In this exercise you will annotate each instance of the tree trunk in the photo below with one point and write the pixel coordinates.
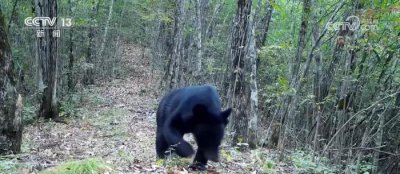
(264, 25)
(13, 15)
(10, 100)
(175, 61)
(338, 52)
(199, 53)
(118, 50)
(211, 23)
(289, 114)
(317, 77)
(252, 56)
(88, 78)
(70, 82)
(378, 141)
(237, 93)
(48, 108)
(110, 12)
(302, 41)
(163, 50)
(40, 53)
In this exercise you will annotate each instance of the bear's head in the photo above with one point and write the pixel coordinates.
(209, 130)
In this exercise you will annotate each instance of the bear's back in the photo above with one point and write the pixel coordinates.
(185, 99)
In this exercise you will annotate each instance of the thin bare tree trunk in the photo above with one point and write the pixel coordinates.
(163, 50)
(199, 51)
(88, 78)
(118, 42)
(110, 12)
(264, 25)
(70, 82)
(252, 56)
(289, 114)
(40, 53)
(211, 22)
(13, 15)
(378, 141)
(10, 100)
(317, 77)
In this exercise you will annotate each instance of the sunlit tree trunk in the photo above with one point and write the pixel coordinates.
(10, 100)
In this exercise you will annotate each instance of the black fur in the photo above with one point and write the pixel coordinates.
(196, 110)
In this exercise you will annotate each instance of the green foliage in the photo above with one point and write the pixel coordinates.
(273, 73)
(123, 154)
(215, 48)
(90, 99)
(273, 64)
(29, 114)
(145, 9)
(173, 161)
(107, 119)
(12, 166)
(88, 166)
(226, 154)
(305, 161)
(363, 167)
(262, 162)
(70, 106)
(7, 166)
(26, 145)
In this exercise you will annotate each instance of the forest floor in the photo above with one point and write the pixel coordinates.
(115, 123)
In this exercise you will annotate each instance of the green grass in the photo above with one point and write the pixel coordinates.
(7, 166)
(306, 162)
(12, 166)
(87, 166)
(173, 161)
(106, 119)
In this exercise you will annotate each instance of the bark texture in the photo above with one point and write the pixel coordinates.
(10, 100)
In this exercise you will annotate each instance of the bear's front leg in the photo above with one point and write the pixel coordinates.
(199, 162)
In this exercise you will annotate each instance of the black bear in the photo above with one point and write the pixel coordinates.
(196, 110)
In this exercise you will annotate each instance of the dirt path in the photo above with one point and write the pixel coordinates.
(116, 123)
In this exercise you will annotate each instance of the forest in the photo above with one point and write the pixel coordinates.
(311, 86)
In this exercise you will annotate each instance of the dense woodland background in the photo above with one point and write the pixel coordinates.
(311, 91)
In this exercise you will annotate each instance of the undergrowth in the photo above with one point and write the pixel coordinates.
(87, 166)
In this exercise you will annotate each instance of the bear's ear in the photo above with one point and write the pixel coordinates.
(225, 114)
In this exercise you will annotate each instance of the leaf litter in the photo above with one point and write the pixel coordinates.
(120, 131)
